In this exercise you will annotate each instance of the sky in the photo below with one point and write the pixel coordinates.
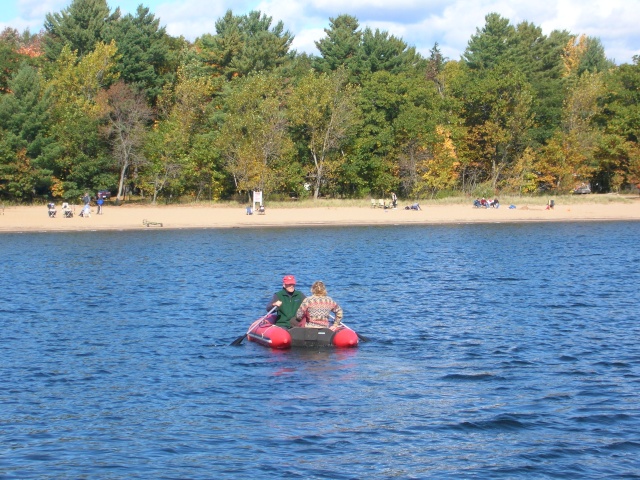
(420, 23)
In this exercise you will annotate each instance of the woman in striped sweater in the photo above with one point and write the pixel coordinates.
(315, 311)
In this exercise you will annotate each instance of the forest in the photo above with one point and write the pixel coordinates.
(98, 100)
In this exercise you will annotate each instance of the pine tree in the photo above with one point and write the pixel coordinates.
(79, 26)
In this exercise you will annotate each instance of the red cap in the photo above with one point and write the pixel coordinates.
(289, 280)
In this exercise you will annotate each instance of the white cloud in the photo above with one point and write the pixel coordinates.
(304, 42)
(36, 10)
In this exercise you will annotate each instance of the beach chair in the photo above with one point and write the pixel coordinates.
(68, 213)
(374, 204)
(381, 203)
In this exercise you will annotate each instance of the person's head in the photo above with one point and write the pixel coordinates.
(318, 288)
(289, 283)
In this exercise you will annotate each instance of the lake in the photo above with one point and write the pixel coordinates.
(496, 351)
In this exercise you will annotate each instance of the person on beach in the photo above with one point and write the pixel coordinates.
(315, 311)
(394, 200)
(414, 206)
(99, 202)
(86, 211)
(288, 300)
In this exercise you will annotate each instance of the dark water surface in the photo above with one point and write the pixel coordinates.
(497, 351)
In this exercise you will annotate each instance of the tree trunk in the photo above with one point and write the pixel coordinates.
(123, 171)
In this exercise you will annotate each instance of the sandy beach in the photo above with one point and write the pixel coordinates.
(135, 217)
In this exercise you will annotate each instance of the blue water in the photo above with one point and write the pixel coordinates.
(496, 351)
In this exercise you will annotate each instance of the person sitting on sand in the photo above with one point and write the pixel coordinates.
(315, 310)
(414, 206)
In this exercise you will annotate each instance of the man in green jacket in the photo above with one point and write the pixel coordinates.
(288, 301)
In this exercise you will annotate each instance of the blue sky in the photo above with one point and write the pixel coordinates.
(420, 23)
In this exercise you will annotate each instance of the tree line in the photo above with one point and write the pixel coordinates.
(99, 100)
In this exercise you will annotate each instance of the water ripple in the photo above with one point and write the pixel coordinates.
(519, 360)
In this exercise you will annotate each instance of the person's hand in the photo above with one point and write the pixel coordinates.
(278, 303)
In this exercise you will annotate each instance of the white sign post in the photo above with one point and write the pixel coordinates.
(257, 198)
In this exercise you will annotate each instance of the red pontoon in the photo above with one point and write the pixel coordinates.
(264, 332)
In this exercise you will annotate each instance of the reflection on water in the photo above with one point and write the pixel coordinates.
(497, 351)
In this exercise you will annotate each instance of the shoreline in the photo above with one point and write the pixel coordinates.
(26, 219)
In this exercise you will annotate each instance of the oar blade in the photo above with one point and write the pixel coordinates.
(363, 338)
(239, 340)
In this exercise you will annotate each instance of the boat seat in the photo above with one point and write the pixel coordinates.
(311, 337)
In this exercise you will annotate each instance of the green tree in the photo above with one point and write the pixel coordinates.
(618, 153)
(594, 60)
(24, 136)
(381, 100)
(81, 159)
(490, 44)
(323, 109)
(497, 110)
(435, 69)
(126, 115)
(362, 53)
(79, 27)
(10, 59)
(174, 164)
(569, 157)
(403, 144)
(15, 49)
(621, 112)
(537, 57)
(244, 44)
(384, 52)
(253, 139)
(147, 58)
(341, 47)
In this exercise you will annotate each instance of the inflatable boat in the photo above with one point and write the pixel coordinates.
(264, 332)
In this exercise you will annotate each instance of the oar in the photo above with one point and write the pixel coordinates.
(361, 337)
(239, 340)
